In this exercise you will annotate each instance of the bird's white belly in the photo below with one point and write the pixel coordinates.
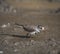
(33, 33)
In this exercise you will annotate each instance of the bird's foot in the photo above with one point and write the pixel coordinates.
(28, 35)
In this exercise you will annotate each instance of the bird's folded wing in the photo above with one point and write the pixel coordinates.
(29, 28)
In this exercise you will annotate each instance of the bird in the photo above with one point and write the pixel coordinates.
(31, 29)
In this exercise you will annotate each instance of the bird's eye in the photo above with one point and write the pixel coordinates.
(40, 27)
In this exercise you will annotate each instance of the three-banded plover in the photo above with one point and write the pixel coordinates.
(31, 29)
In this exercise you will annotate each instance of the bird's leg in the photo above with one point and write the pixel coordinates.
(28, 34)
(36, 33)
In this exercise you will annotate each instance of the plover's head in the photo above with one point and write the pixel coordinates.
(41, 27)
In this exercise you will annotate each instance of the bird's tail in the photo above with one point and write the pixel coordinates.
(18, 24)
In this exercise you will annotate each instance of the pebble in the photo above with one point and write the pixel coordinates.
(5, 25)
(14, 10)
(15, 50)
(1, 52)
(17, 43)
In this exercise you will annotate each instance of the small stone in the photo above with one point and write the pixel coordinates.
(3, 26)
(14, 11)
(17, 43)
(1, 52)
(15, 50)
(32, 41)
(23, 44)
(6, 42)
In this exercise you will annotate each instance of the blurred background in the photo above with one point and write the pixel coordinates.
(32, 12)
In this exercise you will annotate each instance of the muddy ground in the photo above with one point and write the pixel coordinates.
(13, 40)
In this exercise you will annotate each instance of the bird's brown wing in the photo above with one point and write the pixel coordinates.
(29, 28)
